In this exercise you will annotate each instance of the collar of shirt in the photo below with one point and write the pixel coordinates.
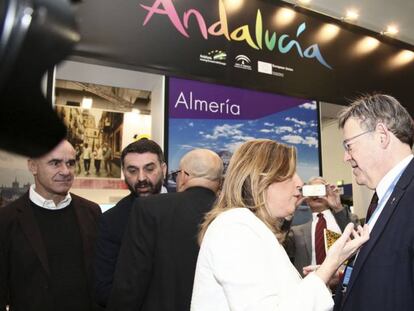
(326, 213)
(163, 190)
(47, 204)
(386, 187)
(387, 180)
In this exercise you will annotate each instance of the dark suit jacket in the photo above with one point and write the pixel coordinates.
(300, 244)
(112, 226)
(156, 265)
(24, 270)
(383, 274)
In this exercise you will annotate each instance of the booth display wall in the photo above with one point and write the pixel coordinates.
(221, 118)
(264, 45)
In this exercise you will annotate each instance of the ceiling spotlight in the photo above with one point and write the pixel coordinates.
(284, 16)
(328, 32)
(402, 58)
(351, 15)
(233, 5)
(391, 30)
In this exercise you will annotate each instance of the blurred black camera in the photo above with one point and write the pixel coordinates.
(34, 36)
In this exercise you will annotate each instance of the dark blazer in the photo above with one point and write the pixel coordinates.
(383, 274)
(156, 265)
(112, 226)
(24, 270)
(300, 248)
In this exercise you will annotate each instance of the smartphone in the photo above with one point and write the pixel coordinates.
(314, 190)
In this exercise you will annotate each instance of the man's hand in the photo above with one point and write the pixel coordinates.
(334, 198)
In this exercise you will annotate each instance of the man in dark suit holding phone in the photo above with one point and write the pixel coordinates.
(378, 138)
(302, 243)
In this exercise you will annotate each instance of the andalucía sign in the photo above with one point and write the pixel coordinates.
(264, 45)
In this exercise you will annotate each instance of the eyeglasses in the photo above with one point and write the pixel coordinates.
(174, 174)
(347, 145)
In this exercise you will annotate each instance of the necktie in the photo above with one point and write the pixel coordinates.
(372, 206)
(320, 240)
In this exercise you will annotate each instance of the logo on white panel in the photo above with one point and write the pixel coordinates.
(243, 62)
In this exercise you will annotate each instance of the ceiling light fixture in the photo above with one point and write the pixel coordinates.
(391, 30)
(351, 15)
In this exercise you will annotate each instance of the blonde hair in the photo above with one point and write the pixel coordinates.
(252, 169)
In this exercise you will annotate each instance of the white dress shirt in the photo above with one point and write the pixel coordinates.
(37, 199)
(331, 224)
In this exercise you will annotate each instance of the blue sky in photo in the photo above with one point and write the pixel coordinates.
(296, 126)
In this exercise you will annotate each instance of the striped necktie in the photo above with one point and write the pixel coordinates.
(320, 240)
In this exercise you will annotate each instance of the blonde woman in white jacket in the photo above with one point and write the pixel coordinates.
(242, 264)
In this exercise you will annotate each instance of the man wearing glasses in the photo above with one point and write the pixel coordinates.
(378, 142)
(144, 170)
(158, 256)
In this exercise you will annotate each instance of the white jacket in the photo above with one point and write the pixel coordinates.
(242, 266)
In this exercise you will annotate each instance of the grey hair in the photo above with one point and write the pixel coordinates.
(317, 178)
(373, 109)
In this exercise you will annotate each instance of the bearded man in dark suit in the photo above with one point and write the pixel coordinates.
(144, 169)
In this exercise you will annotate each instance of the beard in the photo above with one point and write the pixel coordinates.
(145, 188)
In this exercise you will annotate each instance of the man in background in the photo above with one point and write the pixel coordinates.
(46, 240)
(86, 156)
(144, 169)
(378, 138)
(159, 253)
(107, 159)
(307, 245)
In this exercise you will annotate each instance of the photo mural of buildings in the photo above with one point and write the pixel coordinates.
(96, 137)
(15, 177)
(220, 118)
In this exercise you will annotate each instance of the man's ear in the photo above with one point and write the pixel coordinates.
(164, 170)
(385, 134)
(32, 166)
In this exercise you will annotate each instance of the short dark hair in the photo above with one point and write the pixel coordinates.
(143, 145)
